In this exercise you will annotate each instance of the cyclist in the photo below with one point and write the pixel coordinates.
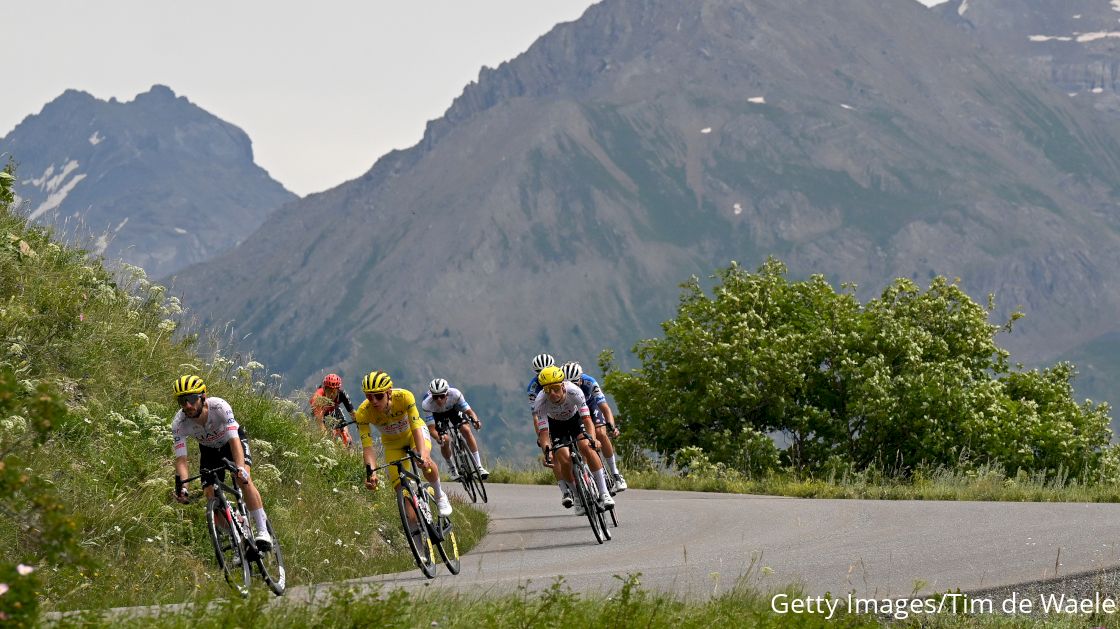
(210, 421)
(326, 401)
(601, 416)
(561, 404)
(541, 361)
(393, 412)
(443, 406)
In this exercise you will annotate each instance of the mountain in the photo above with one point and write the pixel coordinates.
(157, 182)
(564, 195)
(1075, 46)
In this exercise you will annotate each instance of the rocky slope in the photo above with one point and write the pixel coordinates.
(157, 181)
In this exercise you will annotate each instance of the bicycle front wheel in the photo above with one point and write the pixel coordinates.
(415, 532)
(586, 496)
(463, 463)
(476, 478)
(229, 550)
(449, 546)
(271, 564)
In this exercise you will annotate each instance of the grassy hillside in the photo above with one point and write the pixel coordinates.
(107, 344)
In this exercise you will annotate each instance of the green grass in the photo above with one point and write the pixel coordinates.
(557, 605)
(109, 342)
(987, 483)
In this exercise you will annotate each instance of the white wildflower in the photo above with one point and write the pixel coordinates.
(24, 569)
(167, 325)
(252, 364)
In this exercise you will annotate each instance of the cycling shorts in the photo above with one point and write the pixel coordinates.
(211, 458)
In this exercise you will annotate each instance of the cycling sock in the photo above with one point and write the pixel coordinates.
(601, 481)
(258, 519)
(563, 485)
(436, 486)
(477, 458)
(613, 463)
(450, 463)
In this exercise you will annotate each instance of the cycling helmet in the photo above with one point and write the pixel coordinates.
(333, 381)
(438, 386)
(186, 385)
(377, 382)
(572, 371)
(542, 361)
(550, 375)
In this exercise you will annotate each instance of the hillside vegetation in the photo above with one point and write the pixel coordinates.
(87, 358)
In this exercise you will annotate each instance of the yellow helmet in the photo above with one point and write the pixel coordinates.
(550, 375)
(189, 384)
(377, 382)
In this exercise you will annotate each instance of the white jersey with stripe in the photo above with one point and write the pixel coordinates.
(573, 402)
(455, 401)
(219, 428)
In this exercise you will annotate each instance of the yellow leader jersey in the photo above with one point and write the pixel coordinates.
(396, 425)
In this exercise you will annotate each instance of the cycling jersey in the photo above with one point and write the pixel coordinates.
(395, 426)
(572, 406)
(533, 389)
(317, 402)
(595, 397)
(219, 428)
(455, 401)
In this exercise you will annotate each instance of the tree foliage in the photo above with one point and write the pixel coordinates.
(913, 377)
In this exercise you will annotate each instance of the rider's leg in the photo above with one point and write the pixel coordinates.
(595, 465)
(604, 438)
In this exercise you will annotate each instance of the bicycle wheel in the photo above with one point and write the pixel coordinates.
(476, 476)
(448, 546)
(463, 464)
(586, 497)
(271, 564)
(228, 547)
(416, 534)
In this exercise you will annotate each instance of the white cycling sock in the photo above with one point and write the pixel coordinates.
(477, 458)
(258, 519)
(613, 463)
(601, 481)
(563, 485)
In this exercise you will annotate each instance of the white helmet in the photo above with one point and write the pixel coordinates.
(542, 361)
(573, 371)
(438, 386)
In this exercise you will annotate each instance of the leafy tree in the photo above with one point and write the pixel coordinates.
(911, 378)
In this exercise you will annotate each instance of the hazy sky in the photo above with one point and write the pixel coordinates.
(323, 89)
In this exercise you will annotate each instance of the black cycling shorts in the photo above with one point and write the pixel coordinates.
(211, 458)
(559, 429)
(448, 420)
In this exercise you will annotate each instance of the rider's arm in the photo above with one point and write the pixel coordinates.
(345, 401)
(181, 469)
(607, 414)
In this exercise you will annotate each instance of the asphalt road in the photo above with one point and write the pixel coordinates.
(697, 544)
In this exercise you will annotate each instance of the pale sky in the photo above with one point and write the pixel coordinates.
(323, 89)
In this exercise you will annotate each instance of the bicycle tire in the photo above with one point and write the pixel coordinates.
(418, 539)
(271, 564)
(586, 496)
(448, 544)
(476, 476)
(463, 463)
(228, 547)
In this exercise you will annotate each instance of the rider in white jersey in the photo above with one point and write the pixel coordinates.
(562, 411)
(210, 421)
(443, 407)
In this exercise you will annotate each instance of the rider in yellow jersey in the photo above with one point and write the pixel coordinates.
(393, 412)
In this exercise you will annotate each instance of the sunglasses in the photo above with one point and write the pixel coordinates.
(378, 396)
(439, 396)
(189, 399)
(553, 388)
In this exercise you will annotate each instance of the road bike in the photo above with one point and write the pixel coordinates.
(586, 490)
(233, 537)
(469, 476)
(425, 530)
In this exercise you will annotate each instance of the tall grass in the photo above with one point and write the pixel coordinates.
(555, 606)
(110, 342)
